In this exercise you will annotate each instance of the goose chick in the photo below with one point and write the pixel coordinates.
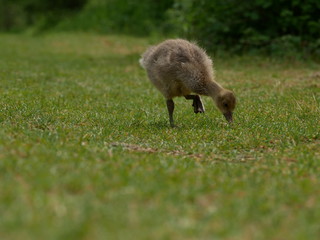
(178, 68)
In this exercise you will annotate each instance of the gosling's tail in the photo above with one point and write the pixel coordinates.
(142, 64)
(144, 60)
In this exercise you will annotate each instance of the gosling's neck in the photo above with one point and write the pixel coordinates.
(214, 89)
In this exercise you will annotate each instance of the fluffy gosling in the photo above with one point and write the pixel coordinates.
(178, 68)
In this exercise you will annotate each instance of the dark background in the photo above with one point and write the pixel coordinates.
(273, 27)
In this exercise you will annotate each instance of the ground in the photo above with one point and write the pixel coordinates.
(86, 151)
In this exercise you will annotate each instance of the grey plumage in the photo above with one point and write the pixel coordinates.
(178, 68)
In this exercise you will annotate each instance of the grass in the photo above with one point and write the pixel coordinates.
(86, 151)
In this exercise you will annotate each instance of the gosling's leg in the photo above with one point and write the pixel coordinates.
(170, 106)
(197, 103)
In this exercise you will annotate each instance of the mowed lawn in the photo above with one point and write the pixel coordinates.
(86, 151)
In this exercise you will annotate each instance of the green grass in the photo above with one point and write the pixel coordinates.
(86, 151)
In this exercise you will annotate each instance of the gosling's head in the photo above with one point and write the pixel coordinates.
(226, 102)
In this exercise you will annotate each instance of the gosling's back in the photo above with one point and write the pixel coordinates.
(178, 67)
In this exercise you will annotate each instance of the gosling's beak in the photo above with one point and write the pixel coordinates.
(228, 116)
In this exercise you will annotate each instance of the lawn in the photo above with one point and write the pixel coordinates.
(86, 151)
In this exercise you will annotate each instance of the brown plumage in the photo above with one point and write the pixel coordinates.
(178, 68)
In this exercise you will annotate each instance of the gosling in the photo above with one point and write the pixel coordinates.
(178, 68)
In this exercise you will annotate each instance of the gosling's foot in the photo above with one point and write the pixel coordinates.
(197, 103)
(198, 106)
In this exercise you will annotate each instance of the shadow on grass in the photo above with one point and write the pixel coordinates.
(149, 125)
(161, 124)
(199, 124)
